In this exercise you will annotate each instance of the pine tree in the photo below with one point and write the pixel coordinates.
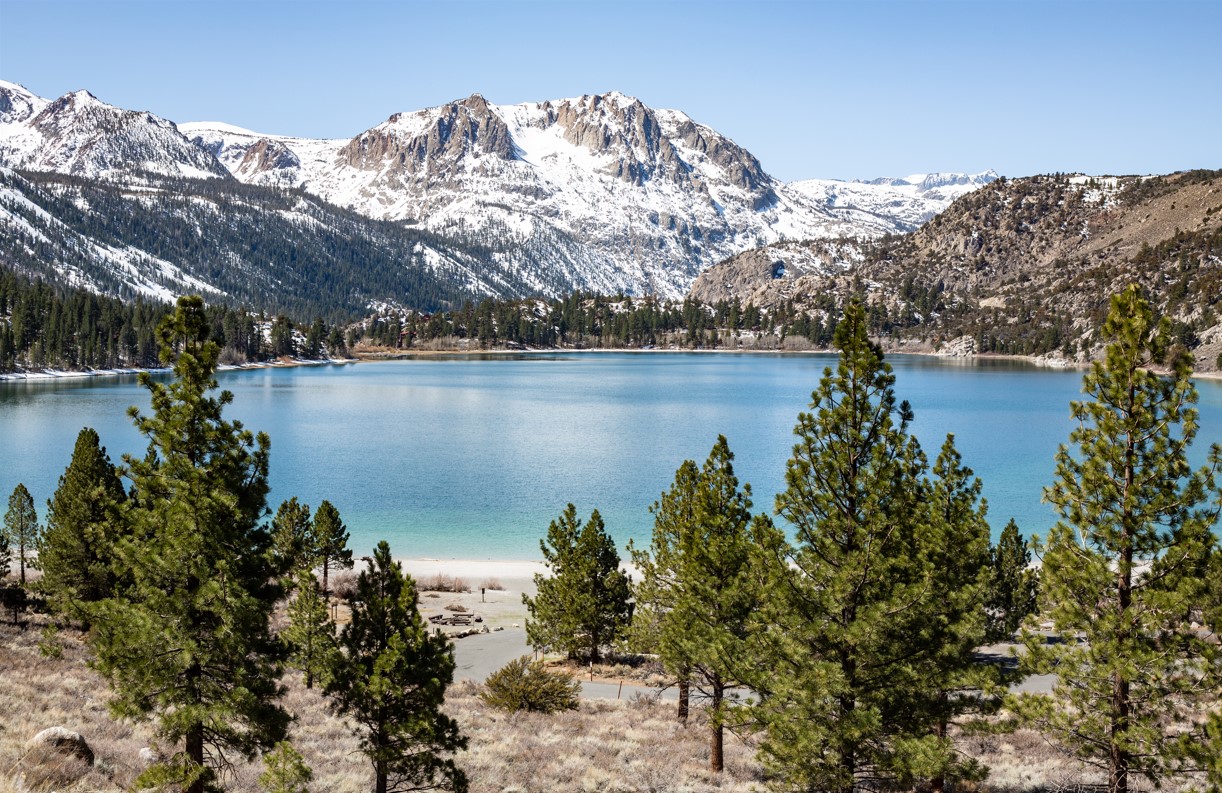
(310, 633)
(1124, 568)
(842, 670)
(21, 526)
(698, 589)
(6, 553)
(1013, 586)
(187, 641)
(954, 619)
(76, 552)
(286, 771)
(330, 543)
(584, 605)
(391, 683)
(293, 537)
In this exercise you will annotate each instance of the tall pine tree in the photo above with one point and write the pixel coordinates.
(698, 585)
(844, 672)
(330, 543)
(310, 633)
(1124, 568)
(583, 605)
(391, 683)
(21, 526)
(954, 620)
(1013, 585)
(187, 641)
(84, 521)
(293, 537)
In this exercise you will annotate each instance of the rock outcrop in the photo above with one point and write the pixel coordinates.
(61, 741)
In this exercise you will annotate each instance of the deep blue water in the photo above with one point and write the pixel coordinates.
(472, 457)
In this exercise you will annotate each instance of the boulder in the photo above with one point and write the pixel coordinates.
(62, 741)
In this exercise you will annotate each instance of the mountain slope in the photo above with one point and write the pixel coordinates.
(616, 195)
(271, 249)
(1025, 266)
(907, 203)
(597, 193)
(80, 135)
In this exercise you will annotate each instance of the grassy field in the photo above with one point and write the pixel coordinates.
(608, 746)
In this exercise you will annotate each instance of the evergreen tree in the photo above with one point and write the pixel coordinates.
(330, 542)
(76, 552)
(1013, 586)
(391, 683)
(293, 537)
(6, 553)
(1124, 568)
(286, 771)
(21, 526)
(841, 677)
(187, 641)
(311, 633)
(954, 619)
(698, 587)
(584, 605)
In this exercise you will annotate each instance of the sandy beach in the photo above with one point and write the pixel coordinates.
(499, 605)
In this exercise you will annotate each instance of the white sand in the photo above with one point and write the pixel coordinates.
(516, 576)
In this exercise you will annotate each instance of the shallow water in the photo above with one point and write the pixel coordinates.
(471, 457)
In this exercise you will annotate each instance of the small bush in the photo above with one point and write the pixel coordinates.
(523, 684)
(285, 771)
(343, 584)
(495, 585)
(442, 583)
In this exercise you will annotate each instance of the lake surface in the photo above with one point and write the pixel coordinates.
(471, 457)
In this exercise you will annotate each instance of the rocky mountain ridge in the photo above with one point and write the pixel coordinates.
(597, 193)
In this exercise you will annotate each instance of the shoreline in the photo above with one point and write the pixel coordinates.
(50, 375)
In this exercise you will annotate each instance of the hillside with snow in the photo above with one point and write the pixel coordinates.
(599, 193)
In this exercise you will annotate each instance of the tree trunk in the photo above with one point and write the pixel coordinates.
(717, 738)
(684, 687)
(938, 783)
(326, 593)
(1118, 763)
(848, 703)
(195, 753)
(379, 772)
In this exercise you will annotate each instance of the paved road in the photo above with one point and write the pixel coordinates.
(478, 656)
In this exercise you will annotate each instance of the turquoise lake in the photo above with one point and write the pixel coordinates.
(471, 457)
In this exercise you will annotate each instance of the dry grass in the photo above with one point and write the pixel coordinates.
(607, 746)
(442, 583)
(492, 585)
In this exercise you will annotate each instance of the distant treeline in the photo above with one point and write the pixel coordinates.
(590, 320)
(43, 326)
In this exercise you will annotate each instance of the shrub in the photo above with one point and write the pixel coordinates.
(442, 583)
(523, 684)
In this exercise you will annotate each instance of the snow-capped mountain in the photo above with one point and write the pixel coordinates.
(79, 134)
(907, 202)
(598, 193)
(616, 194)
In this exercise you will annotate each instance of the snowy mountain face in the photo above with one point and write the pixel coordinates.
(599, 193)
(611, 194)
(80, 135)
(908, 202)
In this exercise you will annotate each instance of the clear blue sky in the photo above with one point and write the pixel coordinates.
(814, 89)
